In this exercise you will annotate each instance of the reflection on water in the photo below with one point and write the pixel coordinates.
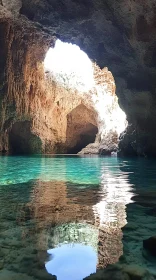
(70, 206)
(72, 259)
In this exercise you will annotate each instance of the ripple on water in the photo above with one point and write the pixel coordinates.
(74, 206)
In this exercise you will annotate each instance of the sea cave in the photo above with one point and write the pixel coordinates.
(77, 140)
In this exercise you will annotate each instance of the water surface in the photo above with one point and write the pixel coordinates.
(69, 215)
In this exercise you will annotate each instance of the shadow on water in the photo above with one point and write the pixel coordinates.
(141, 215)
(54, 208)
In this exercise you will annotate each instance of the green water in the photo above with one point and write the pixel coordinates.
(68, 215)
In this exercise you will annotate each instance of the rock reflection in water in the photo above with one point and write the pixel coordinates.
(110, 214)
(40, 215)
(89, 214)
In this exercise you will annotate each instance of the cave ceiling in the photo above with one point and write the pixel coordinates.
(118, 34)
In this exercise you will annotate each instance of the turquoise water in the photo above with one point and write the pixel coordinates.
(69, 215)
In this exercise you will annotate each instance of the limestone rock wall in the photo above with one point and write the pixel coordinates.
(117, 34)
(120, 35)
(21, 74)
(35, 110)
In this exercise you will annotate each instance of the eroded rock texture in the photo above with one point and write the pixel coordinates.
(118, 34)
(37, 115)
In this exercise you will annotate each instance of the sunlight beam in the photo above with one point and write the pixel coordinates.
(70, 66)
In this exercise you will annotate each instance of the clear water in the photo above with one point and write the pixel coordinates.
(69, 215)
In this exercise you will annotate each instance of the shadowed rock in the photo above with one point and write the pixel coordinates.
(150, 245)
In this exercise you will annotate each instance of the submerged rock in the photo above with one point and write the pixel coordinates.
(41, 274)
(136, 272)
(1, 264)
(126, 272)
(11, 275)
(113, 272)
(150, 245)
(152, 212)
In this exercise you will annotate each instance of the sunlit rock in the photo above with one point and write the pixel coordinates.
(67, 65)
(59, 102)
(114, 35)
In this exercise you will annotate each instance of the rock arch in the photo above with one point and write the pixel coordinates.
(81, 128)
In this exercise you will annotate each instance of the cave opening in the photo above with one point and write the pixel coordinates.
(67, 65)
(81, 129)
(85, 137)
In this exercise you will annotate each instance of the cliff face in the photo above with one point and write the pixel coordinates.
(115, 34)
(37, 115)
(21, 75)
